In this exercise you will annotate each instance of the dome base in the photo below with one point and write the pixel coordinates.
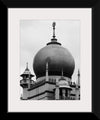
(54, 42)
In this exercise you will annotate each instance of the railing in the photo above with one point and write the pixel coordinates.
(52, 80)
(26, 81)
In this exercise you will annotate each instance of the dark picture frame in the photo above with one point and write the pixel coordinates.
(95, 5)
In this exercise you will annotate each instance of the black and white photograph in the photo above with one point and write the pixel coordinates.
(50, 60)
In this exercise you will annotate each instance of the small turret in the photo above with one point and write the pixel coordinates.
(26, 82)
(62, 88)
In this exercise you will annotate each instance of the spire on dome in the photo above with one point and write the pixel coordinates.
(53, 39)
(54, 24)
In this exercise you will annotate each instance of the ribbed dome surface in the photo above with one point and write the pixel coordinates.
(58, 58)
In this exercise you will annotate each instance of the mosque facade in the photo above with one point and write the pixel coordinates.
(53, 66)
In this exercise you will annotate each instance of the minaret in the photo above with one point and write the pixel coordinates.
(78, 78)
(78, 86)
(46, 71)
(26, 82)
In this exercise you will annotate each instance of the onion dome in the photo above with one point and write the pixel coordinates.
(58, 58)
(63, 83)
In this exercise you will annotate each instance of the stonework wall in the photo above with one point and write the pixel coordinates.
(44, 96)
(39, 92)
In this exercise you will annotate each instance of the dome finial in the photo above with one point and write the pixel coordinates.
(54, 24)
(53, 40)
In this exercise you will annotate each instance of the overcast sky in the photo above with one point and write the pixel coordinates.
(35, 34)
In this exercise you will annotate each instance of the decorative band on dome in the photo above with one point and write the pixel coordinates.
(53, 43)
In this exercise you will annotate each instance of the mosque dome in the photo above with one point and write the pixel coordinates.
(57, 57)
